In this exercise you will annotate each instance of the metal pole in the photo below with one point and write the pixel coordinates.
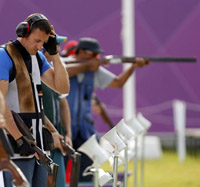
(125, 166)
(142, 162)
(179, 110)
(115, 168)
(96, 173)
(135, 162)
(96, 177)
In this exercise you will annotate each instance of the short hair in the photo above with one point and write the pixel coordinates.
(43, 24)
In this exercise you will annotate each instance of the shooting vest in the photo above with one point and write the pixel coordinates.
(24, 92)
(79, 100)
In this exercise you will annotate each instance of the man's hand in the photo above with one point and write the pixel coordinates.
(25, 146)
(140, 62)
(57, 141)
(93, 64)
(51, 45)
(68, 140)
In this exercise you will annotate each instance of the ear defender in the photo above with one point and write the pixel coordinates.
(23, 29)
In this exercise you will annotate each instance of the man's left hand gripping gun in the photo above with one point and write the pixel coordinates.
(43, 158)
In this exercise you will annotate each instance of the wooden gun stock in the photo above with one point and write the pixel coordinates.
(19, 178)
(5, 143)
(7, 164)
(103, 112)
(76, 159)
(52, 178)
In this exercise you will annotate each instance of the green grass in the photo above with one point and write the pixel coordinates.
(166, 172)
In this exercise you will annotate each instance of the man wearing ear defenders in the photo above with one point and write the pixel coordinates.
(22, 68)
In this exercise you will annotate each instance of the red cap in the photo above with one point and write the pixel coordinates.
(69, 48)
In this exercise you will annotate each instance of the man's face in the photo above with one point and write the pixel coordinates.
(35, 41)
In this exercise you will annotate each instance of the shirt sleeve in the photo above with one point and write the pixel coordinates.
(5, 64)
(45, 63)
(102, 78)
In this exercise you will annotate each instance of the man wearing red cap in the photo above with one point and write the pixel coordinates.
(69, 48)
(85, 77)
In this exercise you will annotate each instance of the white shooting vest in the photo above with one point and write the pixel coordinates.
(23, 94)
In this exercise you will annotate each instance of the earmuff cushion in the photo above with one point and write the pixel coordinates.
(22, 29)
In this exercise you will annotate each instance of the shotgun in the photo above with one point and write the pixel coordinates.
(43, 158)
(115, 59)
(76, 160)
(123, 59)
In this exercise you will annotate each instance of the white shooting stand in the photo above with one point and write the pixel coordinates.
(126, 134)
(138, 129)
(113, 138)
(94, 151)
(146, 124)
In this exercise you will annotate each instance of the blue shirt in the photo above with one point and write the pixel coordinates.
(6, 64)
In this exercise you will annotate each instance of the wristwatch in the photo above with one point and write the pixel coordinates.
(20, 142)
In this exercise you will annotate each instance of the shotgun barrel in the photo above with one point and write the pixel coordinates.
(115, 59)
(123, 59)
(76, 160)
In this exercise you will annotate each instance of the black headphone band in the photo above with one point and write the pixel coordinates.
(35, 18)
